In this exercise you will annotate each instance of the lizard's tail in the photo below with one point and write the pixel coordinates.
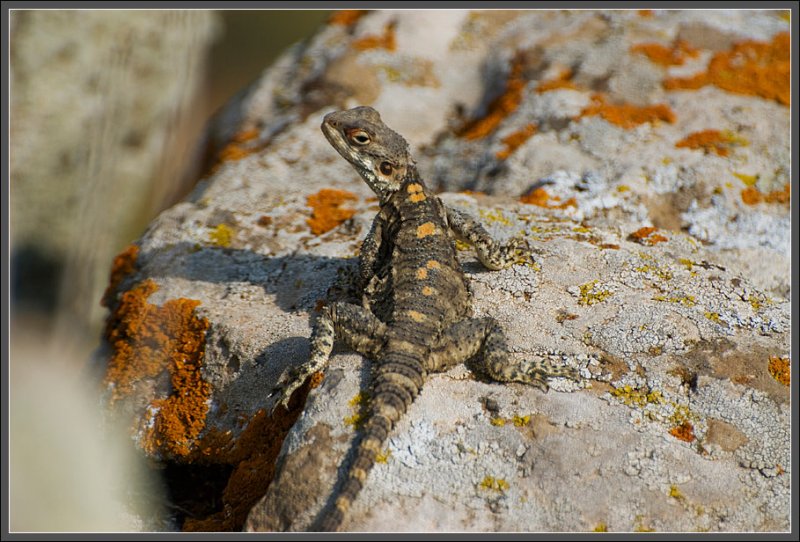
(394, 393)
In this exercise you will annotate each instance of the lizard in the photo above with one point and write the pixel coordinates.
(415, 316)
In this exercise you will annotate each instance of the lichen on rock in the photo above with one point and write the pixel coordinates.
(660, 233)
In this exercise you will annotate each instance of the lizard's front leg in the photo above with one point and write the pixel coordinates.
(358, 328)
(491, 254)
(483, 340)
(369, 281)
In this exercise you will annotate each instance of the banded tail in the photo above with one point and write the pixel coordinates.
(397, 384)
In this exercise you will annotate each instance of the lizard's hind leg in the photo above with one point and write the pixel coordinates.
(482, 342)
(358, 328)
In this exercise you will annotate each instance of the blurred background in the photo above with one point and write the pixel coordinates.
(107, 115)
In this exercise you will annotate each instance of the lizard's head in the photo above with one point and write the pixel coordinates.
(379, 154)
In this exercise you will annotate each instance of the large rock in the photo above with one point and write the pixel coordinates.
(662, 270)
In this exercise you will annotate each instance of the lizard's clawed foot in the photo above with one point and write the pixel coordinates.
(289, 381)
(518, 251)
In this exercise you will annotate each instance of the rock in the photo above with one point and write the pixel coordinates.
(682, 420)
(103, 126)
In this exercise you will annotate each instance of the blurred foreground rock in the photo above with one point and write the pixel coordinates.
(102, 133)
(657, 203)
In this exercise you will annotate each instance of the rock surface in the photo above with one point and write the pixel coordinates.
(660, 221)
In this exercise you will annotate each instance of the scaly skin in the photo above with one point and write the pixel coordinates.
(415, 313)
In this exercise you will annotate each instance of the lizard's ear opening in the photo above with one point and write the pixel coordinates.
(386, 168)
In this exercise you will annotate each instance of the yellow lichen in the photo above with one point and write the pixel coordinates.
(686, 300)
(221, 235)
(639, 397)
(383, 457)
(675, 493)
(495, 215)
(600, 528)
(360, 403)
(495, 484)
(590, 295)
(713, 316)
(640, 526)
(518, 421)
(660, 272)
(748, 180)
(521, 421)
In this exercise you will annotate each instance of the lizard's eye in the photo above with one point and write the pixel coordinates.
(386, 168)
(360, 137)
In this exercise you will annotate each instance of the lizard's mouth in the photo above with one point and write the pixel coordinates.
(331, 133)
(335, 137)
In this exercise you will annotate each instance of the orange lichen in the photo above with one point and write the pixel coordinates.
(753, 196)
(236, 149)
(563, 80)
(684, 432)
(264, 221)
(780, 369)
(327, 211)
(541, 198)
(675, 55)
(628, 115)
(753, 68)
(502, 106)
(316, 379)
(514, 140)
(148, 339)
(779, 196)
(716, 141)
(346, 17)
(647, 236)
(124, 264)
(646, 13)
(252, 456)
(386, 40)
